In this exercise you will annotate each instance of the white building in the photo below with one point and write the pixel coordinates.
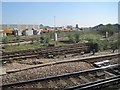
(29, 32)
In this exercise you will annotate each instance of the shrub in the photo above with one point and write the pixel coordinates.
(97, 42)
(71, 38)
(47, 40)
(5, 40)
(77, 37)
(18, 40)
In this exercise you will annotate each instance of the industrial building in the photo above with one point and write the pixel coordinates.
(29, 29)
(19, 26)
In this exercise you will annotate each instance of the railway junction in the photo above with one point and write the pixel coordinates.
(80, 72)
(60, 60)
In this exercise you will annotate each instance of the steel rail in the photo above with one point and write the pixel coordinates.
(96, 84)
(87, 59)
(59, 76)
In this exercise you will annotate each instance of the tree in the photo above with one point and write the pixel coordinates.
(69, 26)
(77, 26)
(111, 29)
(41, 26)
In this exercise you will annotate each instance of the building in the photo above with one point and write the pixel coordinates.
(8, 28)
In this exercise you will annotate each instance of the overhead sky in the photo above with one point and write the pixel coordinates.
(86, 14)
(60, 0)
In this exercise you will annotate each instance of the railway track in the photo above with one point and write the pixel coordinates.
(44, 52)
(49, 52)
(87, 79)
(87, 59)
(97, 84)
(43, 70)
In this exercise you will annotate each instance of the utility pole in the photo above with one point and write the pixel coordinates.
(55, 34)
(54, 22)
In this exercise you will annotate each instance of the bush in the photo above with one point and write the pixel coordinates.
(97, 42)
(18, 40)
(47, 41)
(5, 40)
(108, 28)
(71, 38)
(77, 37)
(74, 37)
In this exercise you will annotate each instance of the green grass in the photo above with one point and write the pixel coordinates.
(13, 38)
(84, 36)
(10, 48)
